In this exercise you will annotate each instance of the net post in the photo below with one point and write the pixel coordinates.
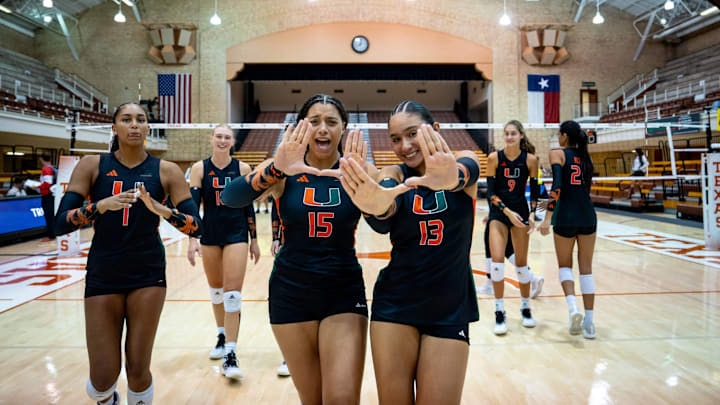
(671, 144)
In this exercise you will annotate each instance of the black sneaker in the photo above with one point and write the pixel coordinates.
(500, 325)
(527, 319)
(219, 350)
(230, 367)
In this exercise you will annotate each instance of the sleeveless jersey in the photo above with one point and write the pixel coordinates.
(574, 207)
(510, 179)
(429, 279)
(126, 249)
(221, 224)
(319, 222)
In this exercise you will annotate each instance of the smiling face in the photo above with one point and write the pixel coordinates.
(512, 136)
(403, 128)
(326, 126)
(131, 126)
(222, 140)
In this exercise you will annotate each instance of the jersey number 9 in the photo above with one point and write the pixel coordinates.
(323, 227)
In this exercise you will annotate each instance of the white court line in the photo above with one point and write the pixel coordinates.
(679, 247)
(32, 277)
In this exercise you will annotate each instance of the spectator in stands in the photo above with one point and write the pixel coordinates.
(48, 176)
(639, 168)
(18, 188)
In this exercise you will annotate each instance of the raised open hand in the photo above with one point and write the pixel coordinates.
(354, 148)
(364, 191)
(290, 156)
(441, 171)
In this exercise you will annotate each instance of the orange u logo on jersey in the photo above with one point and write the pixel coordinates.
(309, 198)
(440, 204)
(216, 182)
(516, 173)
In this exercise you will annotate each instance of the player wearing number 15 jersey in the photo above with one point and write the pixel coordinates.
(318, 309)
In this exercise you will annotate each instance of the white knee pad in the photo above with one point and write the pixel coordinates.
(497, 272)
(565, 274)
(216, 295)
(524, 274)
(232, 301)
(141, 398)
(587, 284)
(96, 395)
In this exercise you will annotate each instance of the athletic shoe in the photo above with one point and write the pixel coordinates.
(527, 319)
(283, 370)
(588, 330)
(536, 285)
(486, 288)
(500, 325)
(575, 320)
(219, 350)
(230, 367)
(115, 398)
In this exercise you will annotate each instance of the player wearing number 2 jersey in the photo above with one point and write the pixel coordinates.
(125, 282)
(574, 220)
(508, 171)
(318, 309)
(425, 298)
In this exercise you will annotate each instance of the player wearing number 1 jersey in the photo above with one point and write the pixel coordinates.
(574, 220)
(508, 171)
(125, 281)
(318, 309)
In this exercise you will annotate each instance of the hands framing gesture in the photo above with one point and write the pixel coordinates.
(354, 148)
(441, 171)
(290, 156)
(364, 191)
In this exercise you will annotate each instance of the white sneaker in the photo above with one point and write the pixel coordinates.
(527, 319)
(500, 325)
(576, 319)
(486, 288)
(230, 367)
(588, 330)
(219, 350)
(536, 285)
(283, 370)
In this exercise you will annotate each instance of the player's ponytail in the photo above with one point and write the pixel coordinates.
(578, 137)
(525, 143)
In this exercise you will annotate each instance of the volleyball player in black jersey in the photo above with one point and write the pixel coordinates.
(125, 282)
(573, 219)
(508, 171)
(318, 309)
(424, 299)
(224, 242)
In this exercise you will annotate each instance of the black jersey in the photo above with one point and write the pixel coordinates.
(574, 207)
(429, 279)
(126, 249)
(510, 179)
(319, 222)
(222, 225)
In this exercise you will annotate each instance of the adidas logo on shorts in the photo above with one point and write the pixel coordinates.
(462, 333)
(359, 305)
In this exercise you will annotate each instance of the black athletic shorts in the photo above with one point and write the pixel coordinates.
(573, 231)
(93, 291)
(456, 332)
(638, 173)
(520, 208)
(290, 304)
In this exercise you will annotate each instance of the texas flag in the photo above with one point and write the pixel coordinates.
(544, 98)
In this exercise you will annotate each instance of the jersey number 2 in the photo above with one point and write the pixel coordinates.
(431, 232)
(322, 223)
(575, 175)
(117, 189)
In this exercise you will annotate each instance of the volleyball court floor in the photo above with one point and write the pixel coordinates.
(656, 314)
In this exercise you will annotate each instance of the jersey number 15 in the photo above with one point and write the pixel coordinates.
(319, 224)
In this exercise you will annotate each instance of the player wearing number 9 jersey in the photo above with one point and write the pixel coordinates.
(574, 220)
(318, 309)
(125, 281)
(424, 299)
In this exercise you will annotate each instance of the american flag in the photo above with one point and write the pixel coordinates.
(174, 94)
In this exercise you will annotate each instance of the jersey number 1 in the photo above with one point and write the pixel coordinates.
(575, 175)
(322, 222)
(431, 232)
(117, 189)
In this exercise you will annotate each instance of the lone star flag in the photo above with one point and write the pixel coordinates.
(174, 97)
(544, 98)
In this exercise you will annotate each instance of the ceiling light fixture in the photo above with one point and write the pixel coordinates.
(215, 19)
(663, 21)
(47, 3)
(669, 5)
(598, 19)
(709, 11)
(5, 9)
(505, 19)
(119, 17)
(47, 18)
